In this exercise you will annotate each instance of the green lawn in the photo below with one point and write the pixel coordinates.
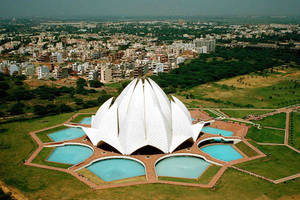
(37, 183)
(79, 118)
(246, 149)
(279, 162)
(266, 135)
(204, 178)
(209, 174)
(211, 114)
(44, 134)
(244, 113)
(44, 154)
(277, 121)
(294, 138)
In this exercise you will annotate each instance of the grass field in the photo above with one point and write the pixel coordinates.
(295, 129)
(211, 114)
(44, 154)
(244, 113)
(277, 121)
(246, 149)
(279, 162)
(266, 135)
(272, 91)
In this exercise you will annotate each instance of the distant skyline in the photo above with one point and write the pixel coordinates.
(83, 8)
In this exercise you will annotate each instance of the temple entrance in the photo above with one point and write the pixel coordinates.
(147, 150)
(107, 147)
(186, 144)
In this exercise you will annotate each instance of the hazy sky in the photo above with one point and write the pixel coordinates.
(67, 8)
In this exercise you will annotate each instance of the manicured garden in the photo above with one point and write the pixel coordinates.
(211, 114)
(294, 134)
(279, 162)
(244, 113)
(246, 149)
(276, 121)
(266, 135)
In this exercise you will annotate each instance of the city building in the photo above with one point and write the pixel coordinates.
(43, 72)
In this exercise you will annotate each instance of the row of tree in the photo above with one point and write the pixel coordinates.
(234, 62)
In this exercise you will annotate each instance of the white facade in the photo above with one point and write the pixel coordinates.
(142, 115)
(43, 72)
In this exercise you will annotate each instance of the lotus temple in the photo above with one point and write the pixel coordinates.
(143, 136)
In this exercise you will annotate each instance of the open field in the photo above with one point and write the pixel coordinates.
(266, 135)
(279, 162)
(244, 113)
(296, 129)
(271, 91)
(277, 121)
(211, 114)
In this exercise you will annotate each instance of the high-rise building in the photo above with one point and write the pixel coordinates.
(210, 43)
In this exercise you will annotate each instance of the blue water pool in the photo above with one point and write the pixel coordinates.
(181, 166)
(70, 154)
(86, 120)
(66, 134)
(216, 131)
(116, 169)
(222, 152)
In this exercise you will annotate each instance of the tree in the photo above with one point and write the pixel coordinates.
(4, 85)
(95, 84)
(52, 109)
(65, 108)
(17, 109)
(103, 98)
(39, 110)
(80, 83)
(78, 101)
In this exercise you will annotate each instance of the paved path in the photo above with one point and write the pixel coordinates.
(287, 178)
(280, 129)
(287, 128)
(253, 174)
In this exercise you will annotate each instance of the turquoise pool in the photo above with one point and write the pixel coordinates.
(66, 134)
(86, 120)
(181, 166)
(70, 154)
(216, 131)
(116, 169)
(222, 152)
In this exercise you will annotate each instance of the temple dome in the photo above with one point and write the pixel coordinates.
(142, 115)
